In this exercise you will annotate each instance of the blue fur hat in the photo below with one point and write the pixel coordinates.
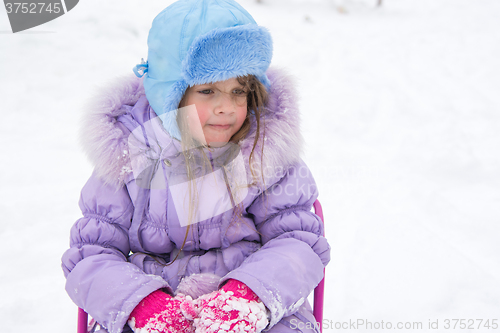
(196, 42)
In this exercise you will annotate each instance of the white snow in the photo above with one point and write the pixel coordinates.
(401, 116)
(250, 316)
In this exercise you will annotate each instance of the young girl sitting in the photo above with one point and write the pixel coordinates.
(198, 217)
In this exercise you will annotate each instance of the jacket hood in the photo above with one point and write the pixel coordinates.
(109, 122)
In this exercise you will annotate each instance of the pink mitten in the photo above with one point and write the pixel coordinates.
(234, 308)
(162, 313)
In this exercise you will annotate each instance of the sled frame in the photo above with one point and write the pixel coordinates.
(319, 292)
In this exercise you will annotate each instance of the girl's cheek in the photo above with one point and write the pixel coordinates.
(242, 114)
(202, 114)
(194, 123)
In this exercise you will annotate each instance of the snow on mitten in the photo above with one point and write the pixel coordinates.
(233, 309)
(162, 313)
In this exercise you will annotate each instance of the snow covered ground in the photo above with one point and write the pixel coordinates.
(401, 116)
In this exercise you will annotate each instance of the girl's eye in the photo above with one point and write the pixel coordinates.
(239, 92)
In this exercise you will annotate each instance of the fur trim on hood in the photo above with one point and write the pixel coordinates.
(105, 139)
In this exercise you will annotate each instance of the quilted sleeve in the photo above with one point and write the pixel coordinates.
(290, 263)
(99, 278)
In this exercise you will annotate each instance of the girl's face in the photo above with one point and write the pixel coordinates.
(221, 109)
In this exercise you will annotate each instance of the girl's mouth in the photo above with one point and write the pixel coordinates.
(219, 127)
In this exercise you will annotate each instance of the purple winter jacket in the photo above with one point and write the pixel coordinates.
(129, 232)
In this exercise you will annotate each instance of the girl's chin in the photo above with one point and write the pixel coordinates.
(217, 144)
(214, 141)
(217, 140)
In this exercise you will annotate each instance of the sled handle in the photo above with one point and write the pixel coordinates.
(319, 291)
(83, 318)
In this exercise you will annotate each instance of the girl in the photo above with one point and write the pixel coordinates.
(197, 216)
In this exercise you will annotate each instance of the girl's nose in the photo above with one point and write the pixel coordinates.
(224, 104)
